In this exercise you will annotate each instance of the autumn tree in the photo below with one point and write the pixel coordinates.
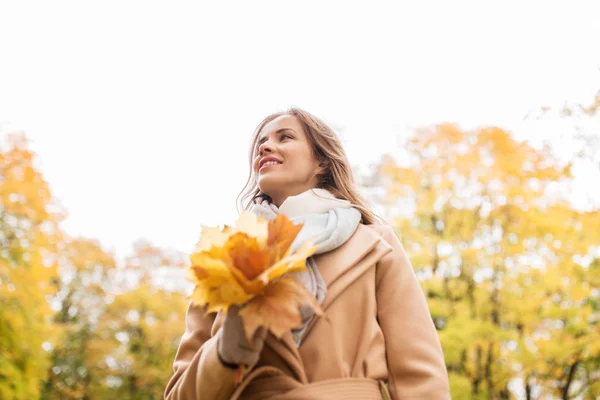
(74, 322)
(509, 267)
(30, 236)
(137, 336)
(86, 272)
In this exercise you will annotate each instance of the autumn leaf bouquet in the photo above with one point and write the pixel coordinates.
(246, 265)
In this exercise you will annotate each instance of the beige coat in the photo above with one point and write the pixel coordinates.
(377, 327)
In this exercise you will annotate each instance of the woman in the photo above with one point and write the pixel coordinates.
(376, 339)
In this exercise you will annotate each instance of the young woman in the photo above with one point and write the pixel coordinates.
(376, 339)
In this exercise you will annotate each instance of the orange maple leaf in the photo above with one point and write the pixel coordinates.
(247, 256)
(278, 309)
(282, 233)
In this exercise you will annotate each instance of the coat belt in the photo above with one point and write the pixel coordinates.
(273, 385)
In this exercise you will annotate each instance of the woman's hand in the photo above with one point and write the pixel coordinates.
(233, 346)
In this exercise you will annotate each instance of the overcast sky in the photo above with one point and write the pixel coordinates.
(142, 112)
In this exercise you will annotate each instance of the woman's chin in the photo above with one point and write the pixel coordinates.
(268, 184)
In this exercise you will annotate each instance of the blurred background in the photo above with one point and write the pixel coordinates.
(473, 127)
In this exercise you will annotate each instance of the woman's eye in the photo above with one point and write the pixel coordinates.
(284, 136)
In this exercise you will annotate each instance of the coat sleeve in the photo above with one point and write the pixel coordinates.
(414, 353)
(198, 372)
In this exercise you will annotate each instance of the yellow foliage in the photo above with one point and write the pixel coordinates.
(31, 237)
(506, 262)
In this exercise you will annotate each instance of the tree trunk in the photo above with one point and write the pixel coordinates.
(477, 377)
(527, 388)
(565, 393)
(488, 370)
(471, 294)
(463, 362)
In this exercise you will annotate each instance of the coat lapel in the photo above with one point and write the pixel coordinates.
(335, 265)
(341, 267)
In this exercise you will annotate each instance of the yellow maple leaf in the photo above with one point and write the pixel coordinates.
(243, 265)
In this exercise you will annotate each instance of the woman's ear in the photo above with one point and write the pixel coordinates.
(322, 171)
(322, 167)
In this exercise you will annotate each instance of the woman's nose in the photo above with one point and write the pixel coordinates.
(265, 148)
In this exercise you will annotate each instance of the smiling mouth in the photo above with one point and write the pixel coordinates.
(268, 164)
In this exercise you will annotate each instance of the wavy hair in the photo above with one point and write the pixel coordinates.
(337, 176)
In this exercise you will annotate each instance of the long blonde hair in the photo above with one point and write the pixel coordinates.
(327, 147)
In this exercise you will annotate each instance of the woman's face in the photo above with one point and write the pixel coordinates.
(284, 163)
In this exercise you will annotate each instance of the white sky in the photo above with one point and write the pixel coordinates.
(142, 112)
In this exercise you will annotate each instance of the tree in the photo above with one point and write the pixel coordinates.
(507, 264)
(86, 272)
(73, 323)
(30, 236)
(134, 346)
